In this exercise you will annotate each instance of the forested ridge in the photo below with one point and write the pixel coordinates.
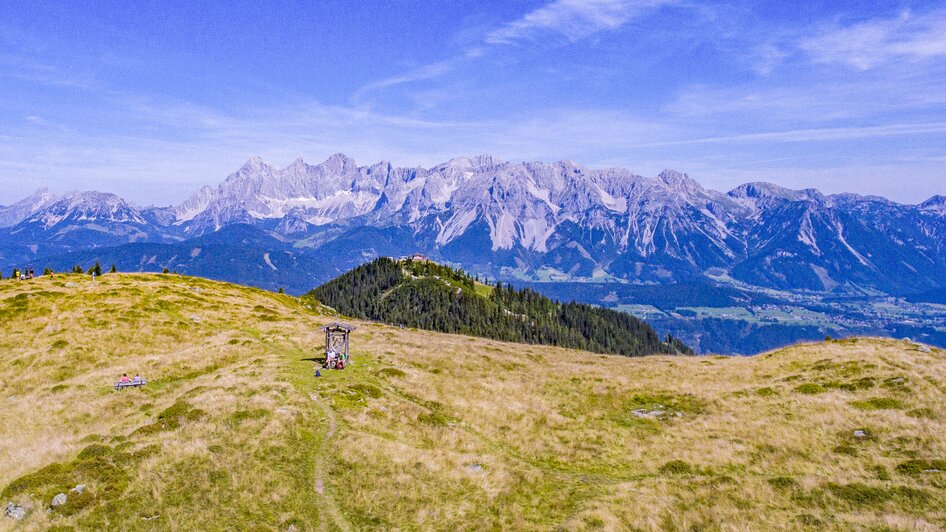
(431, 296)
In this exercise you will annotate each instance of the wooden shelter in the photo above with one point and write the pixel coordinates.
(337, 340)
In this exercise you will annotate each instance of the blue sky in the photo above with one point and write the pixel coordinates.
(152, 99)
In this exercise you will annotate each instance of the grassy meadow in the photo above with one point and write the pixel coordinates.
(434, 431)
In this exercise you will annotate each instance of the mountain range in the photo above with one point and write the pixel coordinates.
(527, 221)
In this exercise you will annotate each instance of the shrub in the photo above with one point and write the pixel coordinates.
(782, 483)
(846, 450)
(243, 415)
(922, 413)
(859, 494)
(915, 467)
(435, 418)
(368, 390)
(877, 403)
(391, 372)
(810, 388)
(676, 467)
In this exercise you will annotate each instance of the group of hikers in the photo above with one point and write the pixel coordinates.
(27, 273)
(335, 360)
(126, 381)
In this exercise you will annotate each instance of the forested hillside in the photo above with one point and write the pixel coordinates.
(431, 296)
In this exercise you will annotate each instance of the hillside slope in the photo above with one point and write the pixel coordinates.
(439, 298)
(438, 431)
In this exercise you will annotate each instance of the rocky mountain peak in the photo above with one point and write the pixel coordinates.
(672, 176)
(88, 206)
(764, 191)
(13, 214)
(473, 163)
(340, 163)
(254, 164)
(934, 205)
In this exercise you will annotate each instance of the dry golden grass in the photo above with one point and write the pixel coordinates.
(434, 431)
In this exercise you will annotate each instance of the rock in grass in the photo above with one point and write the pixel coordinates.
(15, 511)
(860, 433)
(59, 500)
(78, 489)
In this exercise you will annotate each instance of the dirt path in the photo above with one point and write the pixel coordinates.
(328, 504)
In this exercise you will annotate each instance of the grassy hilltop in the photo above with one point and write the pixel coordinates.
(437, 431)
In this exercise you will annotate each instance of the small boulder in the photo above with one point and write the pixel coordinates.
(59, 500)
(15, 511)
(78, 489)
(923, 349)
(860, 433)
(475, 468)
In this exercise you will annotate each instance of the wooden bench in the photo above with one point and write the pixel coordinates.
(130, 384)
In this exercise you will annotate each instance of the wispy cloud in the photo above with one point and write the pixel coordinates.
(572, 19)
(876, 42)
(27, 69)
(815, 134)
(424, 72)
